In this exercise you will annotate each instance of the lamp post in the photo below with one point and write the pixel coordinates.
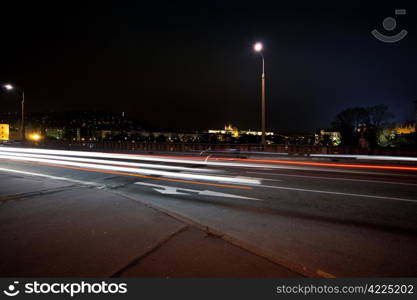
(10, 87)
(416, 114)
(258, 48)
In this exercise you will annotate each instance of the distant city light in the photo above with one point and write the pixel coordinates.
(35, 137)
(8, 87)
(258, 47)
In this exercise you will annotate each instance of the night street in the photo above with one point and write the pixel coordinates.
(292, 217)
(208, 150)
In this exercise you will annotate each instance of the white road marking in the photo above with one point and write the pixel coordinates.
(338, 193)
(168, 190)
(52, 177)
(163, 189)
(328, 178)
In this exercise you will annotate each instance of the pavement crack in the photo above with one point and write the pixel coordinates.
(117, 186)
(37, 193)
(210, 232)
(155, 248)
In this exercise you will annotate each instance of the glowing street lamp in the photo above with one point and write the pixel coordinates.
(35, 137)
(258, 47)
(10, 87)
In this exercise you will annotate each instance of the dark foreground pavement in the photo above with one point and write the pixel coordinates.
(55, 228)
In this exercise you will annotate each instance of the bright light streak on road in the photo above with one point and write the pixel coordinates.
(155, 158)
(367, 157)
(114, 162)
(230, 162)
(188, 176)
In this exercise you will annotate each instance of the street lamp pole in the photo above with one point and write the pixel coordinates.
(10, 87)
(22, 124)
(263, 141)
(258, 48)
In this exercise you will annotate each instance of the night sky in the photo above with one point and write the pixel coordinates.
(191, 66)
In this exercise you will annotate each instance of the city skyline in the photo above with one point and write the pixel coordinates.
(149, 62)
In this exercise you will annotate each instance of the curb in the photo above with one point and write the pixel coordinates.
(294, 267)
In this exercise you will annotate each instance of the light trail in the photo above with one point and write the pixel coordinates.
(112, 162)
(137, 175)
(318, 164)
(368, 157)
(231, 162)
(188, 176)
(331, 178)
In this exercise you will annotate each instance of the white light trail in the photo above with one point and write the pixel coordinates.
(331, 178)
(367, 157)
(111, 162)
(139, 157)
(134, 170)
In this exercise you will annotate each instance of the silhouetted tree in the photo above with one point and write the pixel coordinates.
(348, 123)
(357, 122)
(378, 118)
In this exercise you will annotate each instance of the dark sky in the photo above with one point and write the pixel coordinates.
(191, 65)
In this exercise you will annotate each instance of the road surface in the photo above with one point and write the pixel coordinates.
(312, 217)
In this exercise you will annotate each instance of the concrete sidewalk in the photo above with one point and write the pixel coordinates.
(56, 228)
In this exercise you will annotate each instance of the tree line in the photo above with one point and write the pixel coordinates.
(365, 126)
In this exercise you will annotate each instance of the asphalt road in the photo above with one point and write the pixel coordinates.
(314, 217)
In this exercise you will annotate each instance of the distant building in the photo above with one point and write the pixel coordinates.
(4, 132)
(228, 130)
(326, 138)
(75, 126)
(234, 132)
(396, 135)
(406, 128)
(400, 129)
(250, 132)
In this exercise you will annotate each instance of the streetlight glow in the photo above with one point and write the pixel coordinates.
(35, 137)
(258, 47)
(10, 87)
